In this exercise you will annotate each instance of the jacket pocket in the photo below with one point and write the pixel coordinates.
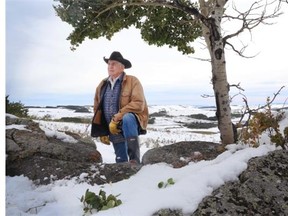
(125, 98)
(97, 118)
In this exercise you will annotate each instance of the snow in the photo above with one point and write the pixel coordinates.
(139, 194)
(19, 127)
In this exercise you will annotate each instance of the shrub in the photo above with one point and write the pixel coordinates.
(99, 202)
(16, 108)
(161, 113)
(198, 116)
(74, 120)
(265, 121)
(200, 125)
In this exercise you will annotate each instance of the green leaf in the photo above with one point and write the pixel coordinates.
(118, 202)
(86, 209)
(171, 181)
(102, 193)
(104, 208)
(111, 197)
(160, 184)
(111, 203)
(159, 25)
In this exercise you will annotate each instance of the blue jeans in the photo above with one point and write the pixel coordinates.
(130, 128)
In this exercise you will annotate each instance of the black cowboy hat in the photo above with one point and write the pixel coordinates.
(116, 56)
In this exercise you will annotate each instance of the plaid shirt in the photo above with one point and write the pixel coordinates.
(111, 106)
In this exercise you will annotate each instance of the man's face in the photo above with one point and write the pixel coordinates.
(115, 68)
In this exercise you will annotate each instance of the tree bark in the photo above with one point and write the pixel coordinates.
(212, 34)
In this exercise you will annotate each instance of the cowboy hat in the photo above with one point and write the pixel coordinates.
(116, 56)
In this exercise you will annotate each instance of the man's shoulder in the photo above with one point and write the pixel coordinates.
(102, 83)
(130, 77)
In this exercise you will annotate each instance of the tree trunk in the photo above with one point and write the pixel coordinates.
(212, 34)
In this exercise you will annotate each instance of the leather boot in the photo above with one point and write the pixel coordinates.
(133, 149)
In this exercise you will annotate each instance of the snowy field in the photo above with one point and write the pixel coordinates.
(165, 130)
(140, 194)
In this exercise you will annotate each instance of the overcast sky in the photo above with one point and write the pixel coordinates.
(42, 70)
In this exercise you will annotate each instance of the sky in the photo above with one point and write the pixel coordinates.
(139, 194)
(42, 70)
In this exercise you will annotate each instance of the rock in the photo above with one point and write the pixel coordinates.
(117, 172)
(169, 212)
(31, 153)
(262, 189)
(181, 153)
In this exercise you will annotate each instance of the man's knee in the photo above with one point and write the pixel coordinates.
(128, 117)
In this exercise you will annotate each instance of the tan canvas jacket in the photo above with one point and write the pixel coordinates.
(132, 99)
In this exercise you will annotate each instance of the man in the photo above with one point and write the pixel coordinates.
(120, 110)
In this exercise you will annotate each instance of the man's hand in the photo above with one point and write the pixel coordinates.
(113, 127)
(105, 140)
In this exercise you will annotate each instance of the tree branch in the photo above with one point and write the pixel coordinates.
(241, 51)
(251, 19)
(250, 112)
(237, 86)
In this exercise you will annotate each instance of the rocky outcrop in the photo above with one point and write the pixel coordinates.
(262, 189)
(181, 153)
(169, 212)
(31, 153)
